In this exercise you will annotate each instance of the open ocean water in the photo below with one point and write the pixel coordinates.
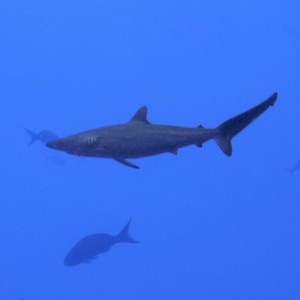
(210, 227)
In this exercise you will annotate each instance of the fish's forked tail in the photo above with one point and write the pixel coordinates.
(291, 171)
(33, 136)
(124, 237)
(233, 126)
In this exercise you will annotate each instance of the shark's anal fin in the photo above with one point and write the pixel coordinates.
(126, 163)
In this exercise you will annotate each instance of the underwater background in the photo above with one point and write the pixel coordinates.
(209, 226)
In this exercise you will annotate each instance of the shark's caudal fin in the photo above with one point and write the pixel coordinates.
(233, 126)
(124, 237)
(33, 136)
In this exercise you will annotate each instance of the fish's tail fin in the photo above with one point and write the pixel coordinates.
(33, 136)
(231, 127)
(291, 171)
(124, 237)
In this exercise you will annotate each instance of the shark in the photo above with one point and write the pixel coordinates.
(139, 138)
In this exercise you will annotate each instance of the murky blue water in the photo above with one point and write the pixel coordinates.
(211, 227)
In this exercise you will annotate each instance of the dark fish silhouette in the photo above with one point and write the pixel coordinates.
(88, 248)
(295, 168)
(43, 136)
(140, 138)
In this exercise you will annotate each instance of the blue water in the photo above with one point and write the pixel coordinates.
(211, 227)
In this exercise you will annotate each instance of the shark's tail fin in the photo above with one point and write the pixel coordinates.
(233, 126)
(33, 136)
(124, 237)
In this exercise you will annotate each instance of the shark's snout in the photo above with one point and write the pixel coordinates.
(56, 144)
(69, 145)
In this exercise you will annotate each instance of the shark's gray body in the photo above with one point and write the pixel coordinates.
(139, 138)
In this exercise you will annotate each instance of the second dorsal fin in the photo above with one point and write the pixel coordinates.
(141, 115)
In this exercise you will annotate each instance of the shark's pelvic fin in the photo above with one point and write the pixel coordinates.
(126, 163)
(141, 115)
(233, 126)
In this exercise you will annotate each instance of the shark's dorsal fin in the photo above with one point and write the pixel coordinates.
(141, 115)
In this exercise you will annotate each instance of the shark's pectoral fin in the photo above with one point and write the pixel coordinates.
(125, 162)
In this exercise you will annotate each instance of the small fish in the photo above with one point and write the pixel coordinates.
(43, 136)
(88, 248)
(295, 168)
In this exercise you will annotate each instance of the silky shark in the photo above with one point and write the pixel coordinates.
(140, 138)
